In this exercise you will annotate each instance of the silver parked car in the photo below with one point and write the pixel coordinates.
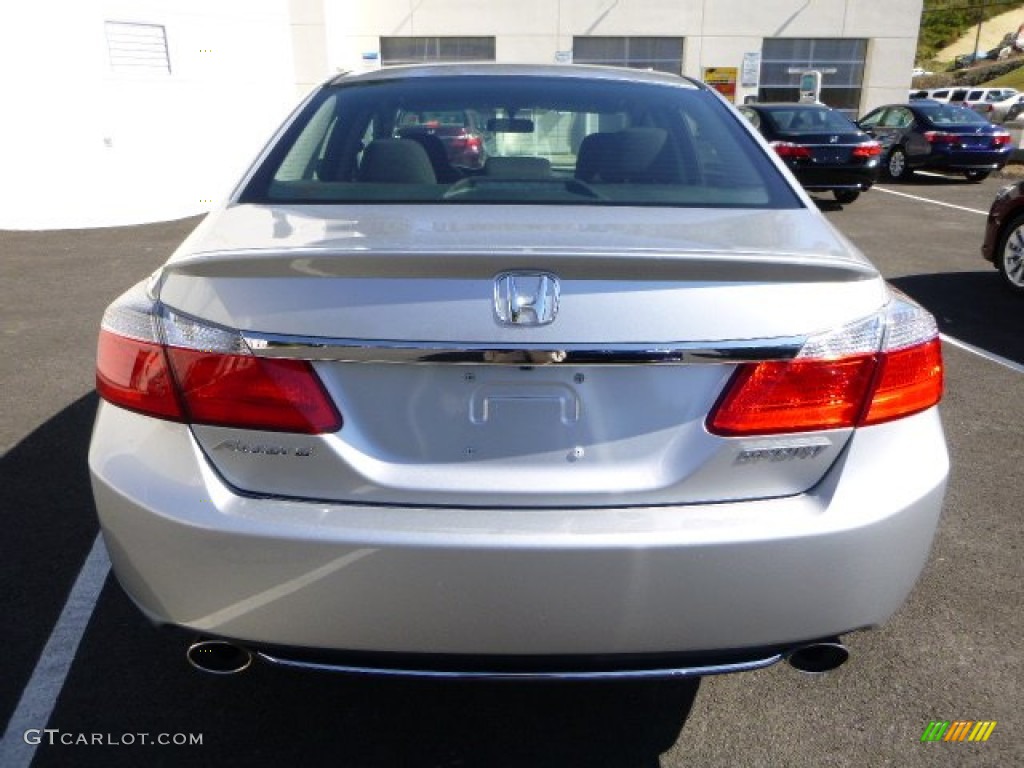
(618, 402)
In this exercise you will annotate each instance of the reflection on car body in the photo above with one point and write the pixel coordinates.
(618, 403)
(460, 133)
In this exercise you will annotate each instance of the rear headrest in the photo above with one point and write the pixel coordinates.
(438, 155)
(399, 161)
(625, 155)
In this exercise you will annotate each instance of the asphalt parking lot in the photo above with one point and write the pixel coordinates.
(954, 652)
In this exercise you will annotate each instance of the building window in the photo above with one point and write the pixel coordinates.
(841, 63)
(416, 50)
(664, 54)
(137, 46)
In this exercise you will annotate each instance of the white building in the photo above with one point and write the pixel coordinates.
(123, 111)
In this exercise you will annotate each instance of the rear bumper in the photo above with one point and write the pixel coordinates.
(576, 667)
(849, 177)
(697, 579)
(968, 160)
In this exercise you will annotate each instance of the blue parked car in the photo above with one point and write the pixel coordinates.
(939, 137)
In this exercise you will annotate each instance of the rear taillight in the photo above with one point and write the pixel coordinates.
(877, 370)
(867, 149)
(909, 381)
(1000, 139)
(791, 151)
(157, 362)
(467, 141)
(134, 374)
(941, 137)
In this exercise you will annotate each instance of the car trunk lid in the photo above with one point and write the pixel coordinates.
(445, 404)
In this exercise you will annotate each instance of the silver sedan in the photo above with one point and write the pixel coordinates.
(619, 402)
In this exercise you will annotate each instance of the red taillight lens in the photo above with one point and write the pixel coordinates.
(866, 373)
(867, 149)
(467, 141)
(791, 151)
(1000, 139)
(134, 375)
(941, 137)
(203, 374)
(909, 381)
(802, 395)
(252, 393)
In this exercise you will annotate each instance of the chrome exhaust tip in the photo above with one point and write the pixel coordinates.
(818, 658)
(218, 657)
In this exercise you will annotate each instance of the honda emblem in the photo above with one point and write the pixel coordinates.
(526, 298)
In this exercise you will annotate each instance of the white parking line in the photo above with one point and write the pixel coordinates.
(929, 200)
(998, 359)
(40, 695)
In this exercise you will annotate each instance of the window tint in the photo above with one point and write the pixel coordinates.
(953, 115)
(782, 60)
(664, 54)
(809, 120)
(414, 50)
(137, 47)
(537, 140)
(897, 117)
(751, 115)
(871, 119)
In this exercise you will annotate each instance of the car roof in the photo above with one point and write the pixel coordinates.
(477, 69)
(786, 105)
(922, 103)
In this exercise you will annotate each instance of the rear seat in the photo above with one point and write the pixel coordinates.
(631, 155)
(396, 161)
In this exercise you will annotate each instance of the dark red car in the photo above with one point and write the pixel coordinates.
(460, 131)
(1004, 236)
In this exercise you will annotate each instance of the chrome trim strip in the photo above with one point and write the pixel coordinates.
(459, 353)
(640, 674)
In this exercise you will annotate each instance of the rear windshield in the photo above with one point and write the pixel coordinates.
(519, 139)
(942, 114)
(809, 120)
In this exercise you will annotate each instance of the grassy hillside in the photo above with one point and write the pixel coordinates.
(1013, 79)
(943, 22)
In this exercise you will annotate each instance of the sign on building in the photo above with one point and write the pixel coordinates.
(723, 80)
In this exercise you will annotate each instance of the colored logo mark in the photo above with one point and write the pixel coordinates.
(958, 730)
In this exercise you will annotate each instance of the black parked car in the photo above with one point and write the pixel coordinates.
(821, 146)
(939, 137)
